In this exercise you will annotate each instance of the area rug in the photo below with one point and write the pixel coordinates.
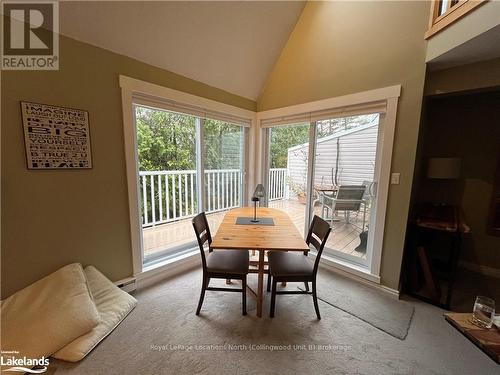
(365, 303)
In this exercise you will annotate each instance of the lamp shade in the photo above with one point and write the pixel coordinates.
(444, 168)
(259, 191)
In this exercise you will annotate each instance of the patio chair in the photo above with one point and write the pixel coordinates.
(347, 198)
(220, 264)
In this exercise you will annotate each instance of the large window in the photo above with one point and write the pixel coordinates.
(178, 154)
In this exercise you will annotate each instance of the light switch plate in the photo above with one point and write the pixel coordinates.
(395, 178)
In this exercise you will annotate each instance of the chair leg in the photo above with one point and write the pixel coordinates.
(244, 295)
(306, 284)
(268, 282)
(202, 294)
(273, 298)
(315, 299)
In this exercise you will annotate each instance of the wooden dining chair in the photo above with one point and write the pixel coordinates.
(220, 264)
(298, 267)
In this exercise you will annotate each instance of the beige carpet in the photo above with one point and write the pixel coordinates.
(164, 336)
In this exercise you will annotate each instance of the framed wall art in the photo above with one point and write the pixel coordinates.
(56, 137)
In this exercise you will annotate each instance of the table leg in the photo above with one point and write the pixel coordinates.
(260, 287)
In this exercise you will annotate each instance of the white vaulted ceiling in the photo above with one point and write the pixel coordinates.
(229, 45)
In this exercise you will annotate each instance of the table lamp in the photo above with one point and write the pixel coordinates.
(443, 169)
(257, 195)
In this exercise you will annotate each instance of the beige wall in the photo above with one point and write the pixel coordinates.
(51, 218)
(340, 48)
(475, 76)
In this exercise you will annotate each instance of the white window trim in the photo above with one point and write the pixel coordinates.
(129, 88)
(390, 96)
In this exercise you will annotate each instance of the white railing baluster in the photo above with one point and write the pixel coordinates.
(208, 193)
(167, 197)
(214, 197)
(174, 203)
(226, 188)
(160, 200)
(231, 190)
(144, 200)
(218, 191)
(180, 195)
(186, 198)
(192, 195)
(223, 190)
(153, 203)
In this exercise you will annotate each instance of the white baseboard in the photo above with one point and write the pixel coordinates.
(168, 270)
(482, 269)
(393, 293)
(192, 260)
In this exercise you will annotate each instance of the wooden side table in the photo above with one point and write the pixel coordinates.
(488, 340)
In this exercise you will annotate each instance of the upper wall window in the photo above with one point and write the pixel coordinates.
(445, 12)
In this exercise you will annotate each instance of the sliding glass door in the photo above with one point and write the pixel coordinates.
(344, 184)
(328, 168)
(187, 165)
(288, 171)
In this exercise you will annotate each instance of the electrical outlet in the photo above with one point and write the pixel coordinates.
(395, 178)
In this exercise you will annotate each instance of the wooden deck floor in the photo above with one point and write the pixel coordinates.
(344, 237)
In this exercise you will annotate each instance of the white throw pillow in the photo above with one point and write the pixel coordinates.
(113, 305)
(47, 315)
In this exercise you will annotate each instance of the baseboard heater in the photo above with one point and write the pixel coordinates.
(128, 285)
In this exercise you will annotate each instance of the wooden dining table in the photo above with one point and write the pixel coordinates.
(282, 236)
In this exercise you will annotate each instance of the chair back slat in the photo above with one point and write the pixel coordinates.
(317, 237)
(202, 231)
(313, 241)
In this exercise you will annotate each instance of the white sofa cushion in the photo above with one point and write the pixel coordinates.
(113, 305)
(45, 316)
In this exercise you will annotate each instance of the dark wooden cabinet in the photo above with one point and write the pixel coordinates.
(494, 217)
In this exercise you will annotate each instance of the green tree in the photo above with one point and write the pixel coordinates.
(165, 140)
(282, 138)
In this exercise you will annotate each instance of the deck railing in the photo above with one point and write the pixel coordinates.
(277, 183)
(168, 196)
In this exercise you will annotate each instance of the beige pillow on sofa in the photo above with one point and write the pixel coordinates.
(113, 305)
(45, 316)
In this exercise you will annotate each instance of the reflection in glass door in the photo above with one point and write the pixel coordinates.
(223, 145)
(344, 186)
(287, 176)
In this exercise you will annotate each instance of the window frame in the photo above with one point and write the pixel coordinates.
(131, 89)
(438, 22)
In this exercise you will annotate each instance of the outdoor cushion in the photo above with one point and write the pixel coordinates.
(45, 316)
(113, 305)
